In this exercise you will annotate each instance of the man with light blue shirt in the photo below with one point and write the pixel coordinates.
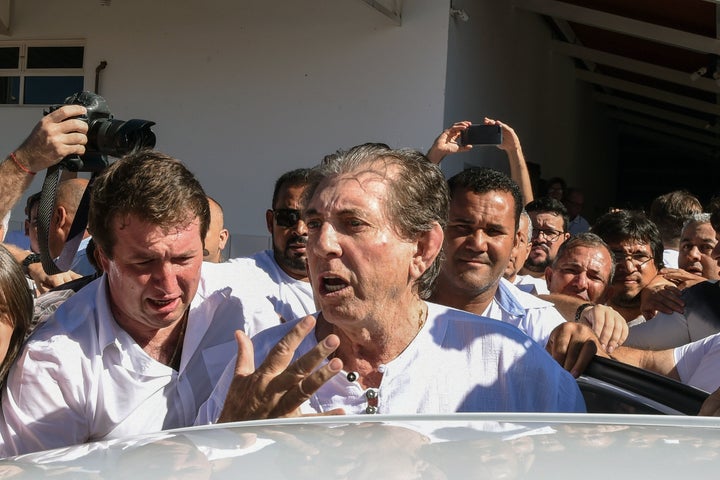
(482, 230)
(481, 233)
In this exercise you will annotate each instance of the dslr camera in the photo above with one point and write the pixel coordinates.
(106, 136)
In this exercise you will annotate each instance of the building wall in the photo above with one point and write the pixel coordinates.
(243, 91)
(500, 65)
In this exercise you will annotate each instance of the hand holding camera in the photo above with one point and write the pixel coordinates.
(55, 137)
(105, 135)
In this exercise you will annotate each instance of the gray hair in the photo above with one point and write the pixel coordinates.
(418, 195)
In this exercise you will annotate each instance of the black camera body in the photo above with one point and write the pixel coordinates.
(106, 136)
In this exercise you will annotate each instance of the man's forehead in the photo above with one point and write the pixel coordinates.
(630, 245)
(549, 218)
(694, 230)
(585, 253)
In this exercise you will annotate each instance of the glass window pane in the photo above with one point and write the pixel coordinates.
(9, 90)
(55, 57)
(10, 57)
(50, 90)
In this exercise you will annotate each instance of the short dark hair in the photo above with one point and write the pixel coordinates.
(483, 180)
(30, 203)
(418, 195)
(549, 205)
(150, 185)
(294, 178)
(634, 225)
(669, 212)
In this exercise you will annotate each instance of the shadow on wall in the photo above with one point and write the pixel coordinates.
(245, 245)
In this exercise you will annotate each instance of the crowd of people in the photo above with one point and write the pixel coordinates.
(388, 289)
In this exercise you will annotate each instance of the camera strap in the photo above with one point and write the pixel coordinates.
(46, 209)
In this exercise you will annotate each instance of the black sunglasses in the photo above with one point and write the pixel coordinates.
(287, 217)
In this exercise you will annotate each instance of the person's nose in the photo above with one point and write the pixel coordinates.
(694, 254)
(580, 281)
(477, 241)
(301, 228)
(164, 277)
(326, 242)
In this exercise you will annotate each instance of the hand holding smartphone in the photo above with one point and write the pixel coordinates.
(481, 135)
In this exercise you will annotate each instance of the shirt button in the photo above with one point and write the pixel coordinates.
(352, 376)
(382, 368)
(371, 410)
(371, 394)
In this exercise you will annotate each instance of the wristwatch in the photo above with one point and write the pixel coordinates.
(32, 258)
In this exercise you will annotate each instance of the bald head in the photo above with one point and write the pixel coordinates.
(217, 235)
(69, 195)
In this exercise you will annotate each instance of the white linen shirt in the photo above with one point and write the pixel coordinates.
(697, 363)
(81, 377)
(263, 277)
(530, 284)
(458, 362)
(535, 317)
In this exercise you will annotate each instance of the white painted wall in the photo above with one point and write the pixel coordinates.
(500, 65)
(243, 91)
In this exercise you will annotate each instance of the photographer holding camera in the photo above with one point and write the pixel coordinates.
(56, 136)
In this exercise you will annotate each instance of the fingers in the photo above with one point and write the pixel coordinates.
(573, 346)
(65, 112)
(711, 405)
(303, 378)
(609, 326)
(245, 363)
(281, 354)
(580, 358)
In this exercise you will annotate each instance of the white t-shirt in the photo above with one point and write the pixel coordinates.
(458, 362)
(81, 377)
(670, 258)
(530, 284)
(263, 277)
(535, 317)
(698, 363)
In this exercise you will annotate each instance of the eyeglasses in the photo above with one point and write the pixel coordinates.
(550, 235)
(287, 217)
(637, 259)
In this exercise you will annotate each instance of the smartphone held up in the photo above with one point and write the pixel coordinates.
(481, 135)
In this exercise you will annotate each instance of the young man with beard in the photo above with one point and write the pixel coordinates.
(549, 230)
(280, 275)
(690, 310)
(637, 250)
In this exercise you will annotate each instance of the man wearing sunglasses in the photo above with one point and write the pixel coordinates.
(279, 275)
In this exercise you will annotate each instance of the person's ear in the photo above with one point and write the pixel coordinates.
(548, 275)
(428, 247)
(224, 235)
(61, 221)
(269, 220)
(101, 258)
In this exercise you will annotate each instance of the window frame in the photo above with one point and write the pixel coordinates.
(22, 72)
